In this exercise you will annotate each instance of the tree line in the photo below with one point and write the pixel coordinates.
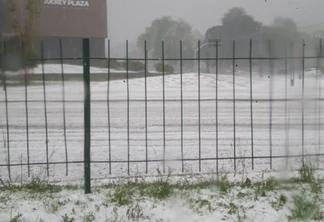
(281, 37)
(236, 24)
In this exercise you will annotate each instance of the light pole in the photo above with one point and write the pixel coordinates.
(210, 43)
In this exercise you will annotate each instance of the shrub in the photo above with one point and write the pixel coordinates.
(167, 68)
(133, 66)
(115, 64)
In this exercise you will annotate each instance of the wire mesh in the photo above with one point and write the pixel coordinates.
(188, 120)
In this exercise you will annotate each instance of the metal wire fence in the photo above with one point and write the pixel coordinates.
(125, 122)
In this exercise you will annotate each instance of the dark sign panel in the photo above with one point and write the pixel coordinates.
(73, 18)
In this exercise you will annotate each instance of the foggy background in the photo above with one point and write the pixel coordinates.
(127, 19)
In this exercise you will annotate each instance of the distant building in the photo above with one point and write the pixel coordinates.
(69, 20)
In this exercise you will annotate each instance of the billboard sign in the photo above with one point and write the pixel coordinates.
(73, 18)
(68, 3)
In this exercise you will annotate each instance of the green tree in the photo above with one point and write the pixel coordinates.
(167, 68)
(171, 32)
(238, 23)
(286, 23)
(283, 33)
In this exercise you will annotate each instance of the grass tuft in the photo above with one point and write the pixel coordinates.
(54, 206)
(35, 186)
(135, 213)
(247, 183)
(16, 218)
(306, 174)
(122, 196)
(200, 205)
(305, 210)
(279, 203)
(261, 188)
(125, 192)
(90, 217)
(66, 218)
(224, 184)
(159, 190)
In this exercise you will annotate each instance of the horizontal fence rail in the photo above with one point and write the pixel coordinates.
(178, 59)
(190, 115)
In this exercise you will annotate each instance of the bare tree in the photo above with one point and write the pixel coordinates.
(19, 31)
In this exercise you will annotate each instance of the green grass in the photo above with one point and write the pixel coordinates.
(224, 194)
(280, 202)
(36, 185)
(16, 218)
(224, 184)
(247, 183)
(135, 213)
(55, 205)
(122, 196)
(307, 207)
(66, 218)
(241, 218)
(36, 189)
(263, 187)
(90, 217)
(124, 193)
(231, 207)
(305, 210)
(200, 205)
(241, 195)
(306, 174)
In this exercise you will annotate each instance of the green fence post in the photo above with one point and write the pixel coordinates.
(87, 115)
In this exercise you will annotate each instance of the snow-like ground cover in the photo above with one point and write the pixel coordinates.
(67, 68)
(72, 69)
(285, 140)
(164, 200)
(240, 198)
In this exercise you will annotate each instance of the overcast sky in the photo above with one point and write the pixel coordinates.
(128, 18)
